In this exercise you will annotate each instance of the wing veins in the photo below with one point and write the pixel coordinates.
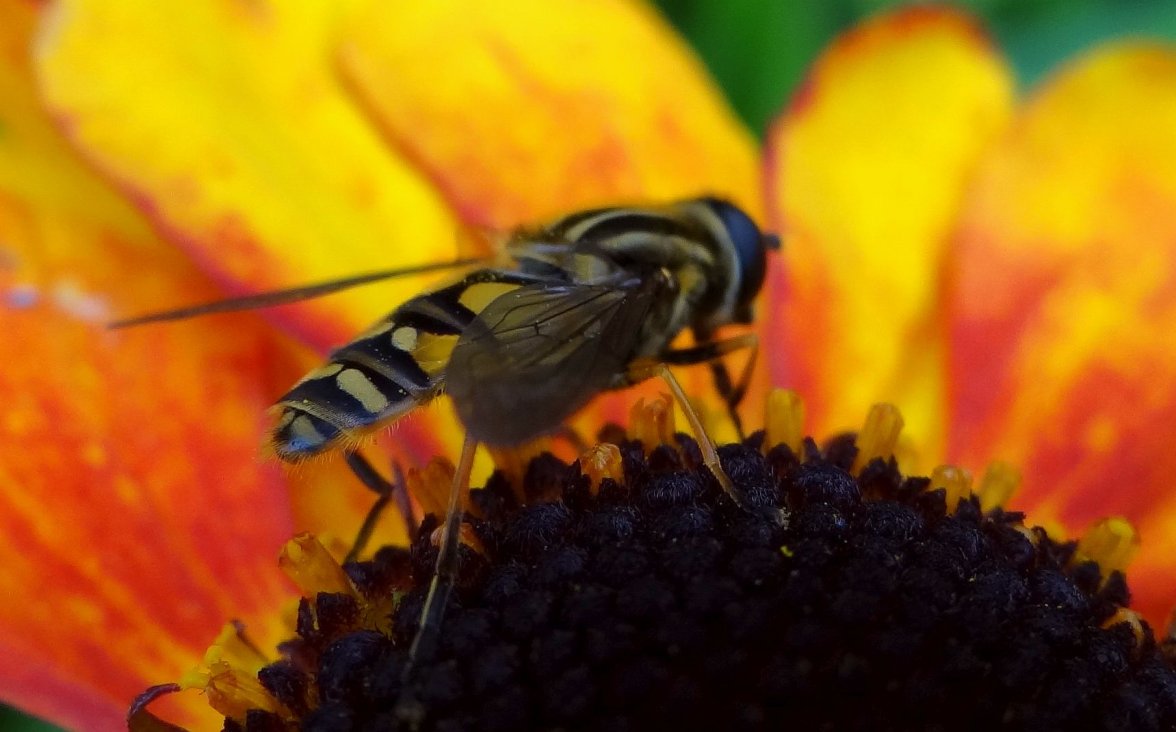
(547, 318)
(504, 365)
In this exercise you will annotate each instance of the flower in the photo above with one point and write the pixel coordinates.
(1025, 301)
(629, 592)
(157, 156)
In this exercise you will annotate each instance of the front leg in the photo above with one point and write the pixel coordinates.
(711, 353)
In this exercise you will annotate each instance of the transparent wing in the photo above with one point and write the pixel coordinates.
(536, 354)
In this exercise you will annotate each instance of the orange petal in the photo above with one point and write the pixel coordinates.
(135, 516)
(865, 172)
(521, 110)
(1064, 337)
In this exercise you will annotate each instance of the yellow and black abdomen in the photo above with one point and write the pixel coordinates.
(394, 367)
(397, 365)
(345, 397)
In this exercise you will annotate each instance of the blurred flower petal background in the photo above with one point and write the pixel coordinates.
(758, 52)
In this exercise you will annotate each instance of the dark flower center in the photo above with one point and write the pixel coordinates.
(659, 604)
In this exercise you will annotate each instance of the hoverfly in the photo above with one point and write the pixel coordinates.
(592, 302)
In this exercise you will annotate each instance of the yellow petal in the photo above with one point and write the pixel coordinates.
(238, 139)
(866, 170)
(1064, 325)
(522, 109)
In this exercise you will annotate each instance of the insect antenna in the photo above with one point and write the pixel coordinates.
(294, 294)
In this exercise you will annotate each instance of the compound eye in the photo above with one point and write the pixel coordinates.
(751, 246)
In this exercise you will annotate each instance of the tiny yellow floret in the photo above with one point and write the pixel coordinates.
(513, 461)
(228, 676)
(310, 566)
(879, 435)
(956, 482)
(652, 422)
(784, 420)
(430, 485)
(600, 462)
(1112, 542)
(233, 692)
(998, 485)
(1132, 619)
(465, 535)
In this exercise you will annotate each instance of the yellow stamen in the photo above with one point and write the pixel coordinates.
(998, 485)
(1112, 543)
(600, 462)
(1033, 536)
(1133, 619)
(235, 648)
(430, 486)
(652, 422)
(233, 692)
(465, 535)
(310, 566)
(956, 482)
(229, 676)
(879, 435)
(784, 420)
(513, 461)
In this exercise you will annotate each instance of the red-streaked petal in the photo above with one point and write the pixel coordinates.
(238, 139)
(232, 159)
(1064, 323)
(521, 110)
(865, 173)
(135, 515)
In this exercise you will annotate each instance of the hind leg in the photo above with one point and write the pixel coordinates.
(445, 571)
(386, 491)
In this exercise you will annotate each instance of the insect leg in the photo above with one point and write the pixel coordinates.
(385, 490)
(445, 571)
(711, 353)
(710, 456)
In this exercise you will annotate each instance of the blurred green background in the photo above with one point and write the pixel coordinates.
(758, 51)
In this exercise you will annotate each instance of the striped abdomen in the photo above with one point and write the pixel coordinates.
(395, 366)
